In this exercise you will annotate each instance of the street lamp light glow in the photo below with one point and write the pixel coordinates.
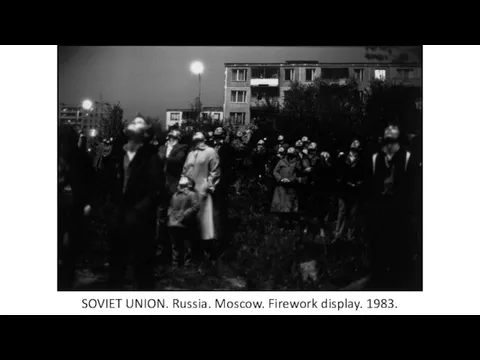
(87, 104)
(196, 67)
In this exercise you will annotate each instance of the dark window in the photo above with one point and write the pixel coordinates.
(239, 75)
(238, 118)
(289, 74)
(405, 73)
(358, 74)
(238, 96)
(310, 73)
(335, 73)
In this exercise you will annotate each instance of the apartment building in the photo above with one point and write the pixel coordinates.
(176, 116)
(85, 119)
(70, 114)
(250, 86)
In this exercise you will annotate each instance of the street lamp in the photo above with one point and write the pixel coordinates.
(197, 68)
(87, 105)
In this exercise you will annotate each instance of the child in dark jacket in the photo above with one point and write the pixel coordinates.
(181, 218)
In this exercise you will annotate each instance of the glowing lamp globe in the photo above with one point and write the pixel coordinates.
(87, 104)
(196, 67)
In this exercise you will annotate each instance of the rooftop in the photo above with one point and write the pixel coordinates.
(325, 64)
(204, 108)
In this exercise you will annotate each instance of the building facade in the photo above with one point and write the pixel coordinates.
(84, 119)
(251, 86)
(176, 116)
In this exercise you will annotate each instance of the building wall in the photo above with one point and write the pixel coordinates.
(300, 75)
(238, 107)
(212, 112)
(169, 122)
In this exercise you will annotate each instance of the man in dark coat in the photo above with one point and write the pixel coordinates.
(136, 186)
(226, 153)
(350, 171)
(393, 173)
(172, 155)
(76, 193)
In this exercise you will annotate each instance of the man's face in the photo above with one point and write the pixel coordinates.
(138, 125)
(391, 133)
(355, 145)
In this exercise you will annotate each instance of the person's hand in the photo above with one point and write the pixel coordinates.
(305, 151)
(308, 169)
(341, 154)
(351, 184)
(87, 210)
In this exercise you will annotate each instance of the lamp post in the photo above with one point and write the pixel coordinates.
(197, 68)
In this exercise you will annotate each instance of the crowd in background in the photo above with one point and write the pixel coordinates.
(168, 198)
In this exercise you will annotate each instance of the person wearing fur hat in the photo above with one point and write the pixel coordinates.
(281, 143)
(182, 213)
(259, 158)
(299, 149)
(305, 142)
(272, 163)
(210, 141)
(351, 172)
(240, 153)
(285, 197)
(172, 155)
(134, 191)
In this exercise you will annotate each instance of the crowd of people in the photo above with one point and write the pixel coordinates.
(174, 196)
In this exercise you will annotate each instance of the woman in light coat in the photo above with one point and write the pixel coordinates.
(202, 166)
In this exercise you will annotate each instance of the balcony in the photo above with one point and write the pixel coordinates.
(264, 96)
(267, 76)
(335, 81)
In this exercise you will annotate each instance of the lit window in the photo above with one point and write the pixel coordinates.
(175, 116)
(239, 97)
(239, 75)
(216, 116)
(380, 74)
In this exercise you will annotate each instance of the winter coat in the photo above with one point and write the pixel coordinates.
(285, 197)
(135, 189)
(183, 208)
(173, 165)
(350, 175)
(226, 155)
(203, 167)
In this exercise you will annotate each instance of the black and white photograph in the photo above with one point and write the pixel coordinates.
(240, 168)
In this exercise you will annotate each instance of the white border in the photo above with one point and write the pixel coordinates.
(28, 229)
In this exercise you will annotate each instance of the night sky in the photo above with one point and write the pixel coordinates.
(151, 79)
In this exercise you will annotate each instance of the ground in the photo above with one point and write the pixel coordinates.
(262, 256)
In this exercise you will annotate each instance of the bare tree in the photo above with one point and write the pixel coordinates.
(112, 125)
